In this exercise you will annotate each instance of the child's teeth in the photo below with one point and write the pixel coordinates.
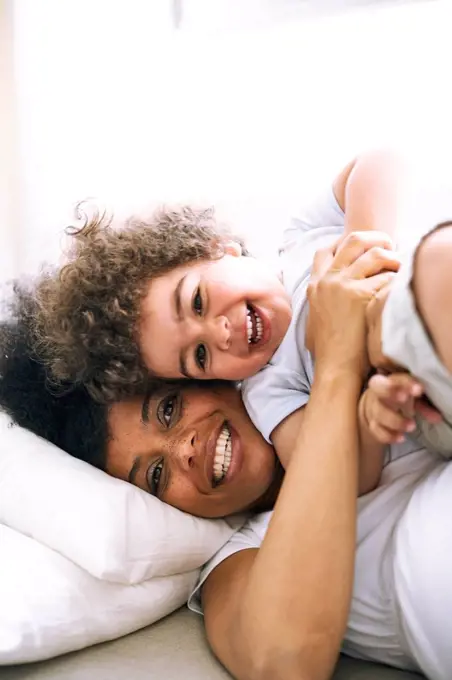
(249, 324)
(253, 335)
(258, 328)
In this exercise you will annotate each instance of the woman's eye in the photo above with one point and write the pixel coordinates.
(154, 476)
(200, 356)
(166, 410)
(197, 302)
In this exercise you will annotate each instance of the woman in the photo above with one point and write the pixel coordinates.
(279, 611)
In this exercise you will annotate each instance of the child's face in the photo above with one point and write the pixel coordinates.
(220, 319)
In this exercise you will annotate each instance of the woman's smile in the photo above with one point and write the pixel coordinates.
(194, 447)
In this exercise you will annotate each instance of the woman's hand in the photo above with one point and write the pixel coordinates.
(344, 278)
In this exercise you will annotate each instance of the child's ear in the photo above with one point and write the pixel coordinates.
(233, 248)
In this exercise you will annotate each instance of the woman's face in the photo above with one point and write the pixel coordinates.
(193, 447)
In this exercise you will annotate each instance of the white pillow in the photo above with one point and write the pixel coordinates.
(108, 527)
(49, 606)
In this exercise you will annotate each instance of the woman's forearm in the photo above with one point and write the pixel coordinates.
(297, 597)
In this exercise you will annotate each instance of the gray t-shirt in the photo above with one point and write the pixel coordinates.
(284, 384)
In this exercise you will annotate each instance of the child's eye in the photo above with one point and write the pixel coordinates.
(197, 302)
(201, 356)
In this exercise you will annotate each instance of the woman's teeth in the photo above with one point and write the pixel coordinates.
(254, 326)
(223, 455)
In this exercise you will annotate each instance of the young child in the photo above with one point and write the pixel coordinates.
(175, 297)
(365, 195)
(406, 327)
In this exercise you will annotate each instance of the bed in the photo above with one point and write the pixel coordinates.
(172, 649)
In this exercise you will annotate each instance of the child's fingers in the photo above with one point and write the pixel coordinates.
(385, 436)
(398, 387)
(392, 420)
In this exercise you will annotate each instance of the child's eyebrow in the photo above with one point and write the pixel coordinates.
(183, 365)
(177, 298)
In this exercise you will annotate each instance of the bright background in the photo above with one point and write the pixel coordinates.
(251, 104)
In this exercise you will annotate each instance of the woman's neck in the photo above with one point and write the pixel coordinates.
(268, 500)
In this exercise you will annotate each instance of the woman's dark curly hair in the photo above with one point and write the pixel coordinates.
(88, 312)
(70, 419)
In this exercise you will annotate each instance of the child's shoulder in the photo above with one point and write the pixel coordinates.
(321, 210)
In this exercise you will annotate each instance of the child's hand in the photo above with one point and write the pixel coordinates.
(389, 404)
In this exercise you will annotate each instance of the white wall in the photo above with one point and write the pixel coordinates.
(9, 190)
(113, 103)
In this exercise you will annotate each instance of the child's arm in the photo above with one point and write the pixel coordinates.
(371, 450)
(371, 192)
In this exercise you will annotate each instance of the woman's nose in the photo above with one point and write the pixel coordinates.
(186, 452)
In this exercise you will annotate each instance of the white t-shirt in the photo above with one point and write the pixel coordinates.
(284, 384)
(374, 631)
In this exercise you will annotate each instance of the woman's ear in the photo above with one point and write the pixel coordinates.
(233, 248)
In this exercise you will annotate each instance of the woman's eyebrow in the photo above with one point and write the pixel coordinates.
(145, 409)
(177, 298)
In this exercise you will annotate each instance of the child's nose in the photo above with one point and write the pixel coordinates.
(221, 333)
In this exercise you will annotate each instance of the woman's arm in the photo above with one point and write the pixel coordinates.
(281, 611)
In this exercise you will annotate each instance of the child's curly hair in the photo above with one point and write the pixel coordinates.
(88, 312)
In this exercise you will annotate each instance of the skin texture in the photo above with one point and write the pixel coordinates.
(207, 333)
(169, 442)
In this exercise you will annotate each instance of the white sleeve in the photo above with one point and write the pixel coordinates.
(324, 211)
(273, 394)
(284, 384)
(250, 535)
